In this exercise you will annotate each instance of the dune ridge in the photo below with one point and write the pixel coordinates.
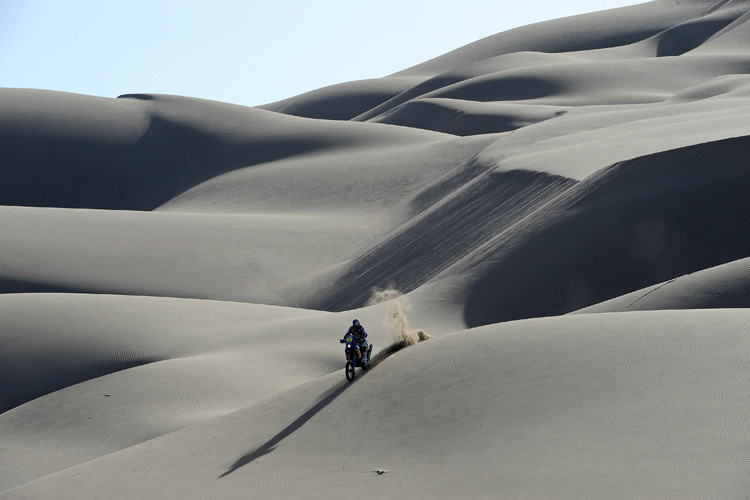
(560, 209)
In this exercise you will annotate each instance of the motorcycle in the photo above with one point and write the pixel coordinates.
(354, 356)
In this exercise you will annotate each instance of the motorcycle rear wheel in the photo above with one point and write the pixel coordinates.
(369, 358)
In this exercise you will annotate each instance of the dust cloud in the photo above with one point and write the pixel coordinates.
(395, 321)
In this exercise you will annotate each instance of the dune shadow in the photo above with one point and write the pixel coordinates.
(327, 399)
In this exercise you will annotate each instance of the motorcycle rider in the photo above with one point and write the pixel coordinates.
(357, 331)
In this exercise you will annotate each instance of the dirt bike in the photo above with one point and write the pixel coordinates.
(354, 356)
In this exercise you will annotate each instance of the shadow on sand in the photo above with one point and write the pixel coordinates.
(327, 399)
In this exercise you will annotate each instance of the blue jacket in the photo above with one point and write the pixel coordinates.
(358, 332)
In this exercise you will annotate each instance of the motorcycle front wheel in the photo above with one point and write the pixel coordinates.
(349, 371)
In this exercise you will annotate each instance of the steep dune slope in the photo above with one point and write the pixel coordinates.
(637, 223)
(443, 235)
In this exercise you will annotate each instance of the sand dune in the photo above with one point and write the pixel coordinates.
(463, 117)
(625, 227)
(252, 258)
(564, 206)
(722, 286)
(140, 151)
(345, 100)
(549, 408)
(611, 28)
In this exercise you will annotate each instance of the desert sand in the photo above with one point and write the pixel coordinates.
(563, 211)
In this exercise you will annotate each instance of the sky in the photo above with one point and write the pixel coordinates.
(244, 52)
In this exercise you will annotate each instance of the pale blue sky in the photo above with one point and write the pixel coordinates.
(244, 52)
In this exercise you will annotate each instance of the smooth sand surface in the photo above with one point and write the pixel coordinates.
(562, 210)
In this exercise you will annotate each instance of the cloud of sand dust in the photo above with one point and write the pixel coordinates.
(395, 321)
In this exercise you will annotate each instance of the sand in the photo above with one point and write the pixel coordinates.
(553, 219)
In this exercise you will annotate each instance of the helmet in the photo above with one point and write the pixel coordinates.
(355, 322)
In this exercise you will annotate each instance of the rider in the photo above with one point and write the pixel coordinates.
(360, 335)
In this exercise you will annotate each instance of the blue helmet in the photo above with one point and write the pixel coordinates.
(355, 322)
